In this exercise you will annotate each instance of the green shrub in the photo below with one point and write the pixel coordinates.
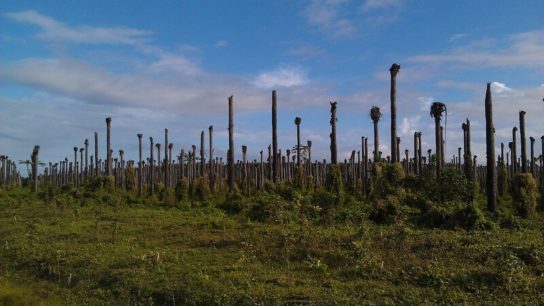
(452, 215)
(524, 193)
(334, 184)
(326, 201)
(158, 187)
(386, 211)
(270, 207)
(168, 197)
(502, 181)
(300, 177)
(201, 189)
(234, 202)
(130, 181)
(450, 186)
(182, 189)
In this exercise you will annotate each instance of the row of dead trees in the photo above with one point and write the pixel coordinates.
(276, 166)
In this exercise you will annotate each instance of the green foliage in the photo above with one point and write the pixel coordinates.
(502, 180)
(168, 197)
(450, 186)
(334, 184)
(130, 180)
(106, 183)
(386, 211)
(234, 202)
(524, 193)
(452, 215)
(200, 190)
(299, 176)
(158, 187)
(270, 207)
(182, 189)
(274, 251)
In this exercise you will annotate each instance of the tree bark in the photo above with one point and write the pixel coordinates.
(395, 156)
(490, 151)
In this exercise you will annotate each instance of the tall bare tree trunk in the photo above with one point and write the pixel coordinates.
(96, 155)
(166, 159)
(151, 167)
(490, 151)
(108, 146)
(333, 146)
(514, 151)
(437, 108)
(35, 160)
(275, 161)
(230, 155)
(86, 143)
(140, 172)
(76, 182)
(202, 155)
(375, 115)
(212, 168)
(523, 142)
(532, 155)
(298, 120)
(395, 156)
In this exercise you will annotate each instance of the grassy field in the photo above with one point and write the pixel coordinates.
(101, 249)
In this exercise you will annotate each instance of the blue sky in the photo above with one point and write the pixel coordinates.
(66, 65)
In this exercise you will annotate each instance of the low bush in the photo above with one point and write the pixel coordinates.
(524, 194)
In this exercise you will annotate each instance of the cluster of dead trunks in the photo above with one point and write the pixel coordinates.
(291, 166)
(9, 176)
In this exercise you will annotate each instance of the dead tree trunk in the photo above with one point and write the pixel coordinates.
(108, 146)
(230, 155)
(298, 120)
(490, 151)
(523, 142)
(212, 169)
(395, 156)
(333, 133)
(35, 160)
(275, 161)
(375, 115)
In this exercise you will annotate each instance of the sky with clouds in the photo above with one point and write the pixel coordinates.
(66, 65)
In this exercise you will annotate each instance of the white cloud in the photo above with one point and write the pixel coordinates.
(305, 51)
(518, 50)
(502, 90)
(425, 103)
(382, 4)
(221, 44)
(282, 77)
(55, 31)
(327, 17)
(457, 37)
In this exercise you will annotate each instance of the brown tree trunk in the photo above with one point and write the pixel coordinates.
(275, 161)
(523, 142)
(395, 156)
(490, 151)
(333, 134)
(212, 169)
(35, 160)
(140, 173)
(230, 155)
(108, 146)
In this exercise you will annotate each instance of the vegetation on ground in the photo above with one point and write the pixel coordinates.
(412, 240)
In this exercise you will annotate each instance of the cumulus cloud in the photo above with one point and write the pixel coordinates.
(328, 17)
(55, 31)
(281, 77)
(382, 4)
(221, 44)
(517, 50)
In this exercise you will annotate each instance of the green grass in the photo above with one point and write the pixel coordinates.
(75, 251)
